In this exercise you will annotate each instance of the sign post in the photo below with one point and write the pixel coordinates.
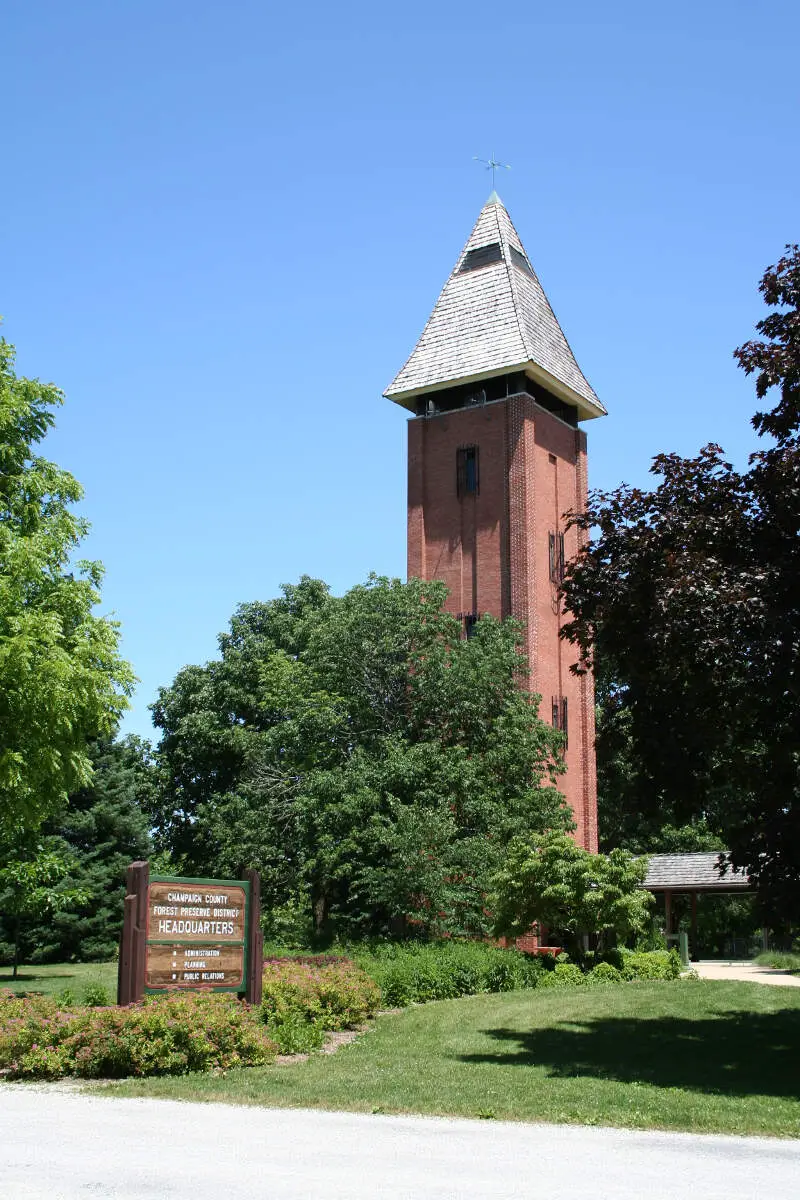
(189, 933)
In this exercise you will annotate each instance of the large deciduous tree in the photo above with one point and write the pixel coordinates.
(688, 600)
(62, 680)
(361, 753)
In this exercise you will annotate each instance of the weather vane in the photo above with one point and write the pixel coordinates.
(491, 164)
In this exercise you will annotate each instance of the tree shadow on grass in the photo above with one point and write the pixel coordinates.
(28, 977)
(733, 1054)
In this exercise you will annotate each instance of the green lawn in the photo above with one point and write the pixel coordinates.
(58, 976)
(705, 1056)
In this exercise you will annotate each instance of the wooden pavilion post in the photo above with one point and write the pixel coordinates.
(694, 953)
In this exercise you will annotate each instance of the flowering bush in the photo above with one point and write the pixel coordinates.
(166, 1035)
(311, 960)
(31, 1026)
(334, 995)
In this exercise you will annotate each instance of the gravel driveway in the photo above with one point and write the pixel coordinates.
(57, 1145)
(747, 972)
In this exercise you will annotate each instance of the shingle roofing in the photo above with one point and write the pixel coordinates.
(692, 872)
(494, 318)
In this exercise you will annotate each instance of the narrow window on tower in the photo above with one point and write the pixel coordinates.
(557, 556)
(559, 717)
(467, 479)
(470, 621)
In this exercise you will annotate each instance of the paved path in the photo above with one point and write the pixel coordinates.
(61, 1146)
(749, 972)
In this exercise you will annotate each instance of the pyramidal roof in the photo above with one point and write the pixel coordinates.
(493, 317)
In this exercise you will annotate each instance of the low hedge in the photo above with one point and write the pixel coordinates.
(619, 966)
(779, 960)
(412, 972)
(165, 1035)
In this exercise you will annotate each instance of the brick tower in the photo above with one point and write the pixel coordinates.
(495, 458)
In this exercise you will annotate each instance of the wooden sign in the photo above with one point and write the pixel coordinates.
(190, 933)
(196, 934)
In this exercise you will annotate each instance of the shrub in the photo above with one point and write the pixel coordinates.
(95, 995)
(28, 1023)
(165, 1035)
(416, 972)
(564, 974)
(652, 964)
(335, 995)
(293, 1033)
(510, 970)
(779, 960)
(604, 972)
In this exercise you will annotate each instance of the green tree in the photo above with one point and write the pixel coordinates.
(62, 680)
(359, 751)
(29, 890)
(623, 820)
(102, 829)
(552, 882)
(689, 599)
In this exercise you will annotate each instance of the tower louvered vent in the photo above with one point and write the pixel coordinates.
(481, 256)
(519, 260)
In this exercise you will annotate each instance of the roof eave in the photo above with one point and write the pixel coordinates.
(725, 885)
(587, 409)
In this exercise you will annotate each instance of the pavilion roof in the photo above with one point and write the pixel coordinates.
(695, 872)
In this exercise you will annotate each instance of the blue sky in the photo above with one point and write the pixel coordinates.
(224, 225)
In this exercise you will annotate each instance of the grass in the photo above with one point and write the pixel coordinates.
(56, 977)
(695, 1055)
(780, 960)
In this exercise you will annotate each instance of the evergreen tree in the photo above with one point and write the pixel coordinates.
(100, 832)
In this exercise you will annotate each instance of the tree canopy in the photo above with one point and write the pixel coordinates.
(553, 882)
(62, 680)
(361, 753)
(688, 601)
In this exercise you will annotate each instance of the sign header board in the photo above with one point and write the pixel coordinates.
(199, 934)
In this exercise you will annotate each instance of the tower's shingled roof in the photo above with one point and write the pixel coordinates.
(494, 318)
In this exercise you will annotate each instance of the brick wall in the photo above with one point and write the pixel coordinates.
(492, 549)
